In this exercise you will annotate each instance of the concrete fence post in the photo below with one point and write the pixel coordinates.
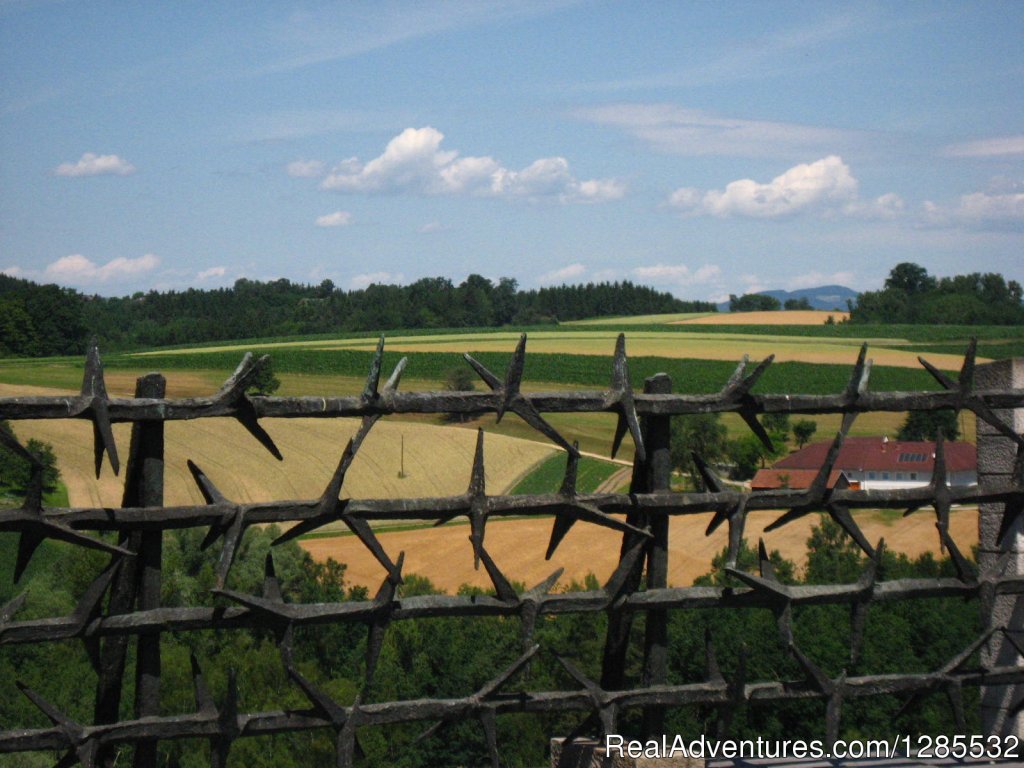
(996, 457)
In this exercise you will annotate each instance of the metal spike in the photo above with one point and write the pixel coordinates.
(245, 414)
(391, 385)
(623, 391)
(738, 387)
(966, 378)
(737, 522)
(858, 383)
(34, 528)
(235, 385)
(502, 587)
(544, 587)
(749, 415)
(206, 486)
(616, 583)
(489, 378)
(94, 388)
(964, 570)
(957, 662)
(711, 480)
(232, 538)
(561, 526)
(476, 480)
(737, 376)
(513, 377)
(90, 602)
(495, 684)
(28, 542)
(362, 529)
(946, 382)
(841, 515)
(370, 392)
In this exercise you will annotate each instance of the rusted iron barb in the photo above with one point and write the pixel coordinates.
(640, 515)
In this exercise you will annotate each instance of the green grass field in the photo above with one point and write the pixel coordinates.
(546, 477)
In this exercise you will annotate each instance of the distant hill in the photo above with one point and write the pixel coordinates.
(823, 297)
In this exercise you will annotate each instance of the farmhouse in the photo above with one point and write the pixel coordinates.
(871, 463)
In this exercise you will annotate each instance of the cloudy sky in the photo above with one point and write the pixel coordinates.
(704, 148)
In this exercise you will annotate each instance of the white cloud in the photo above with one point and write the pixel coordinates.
(432, 226)
(678, 275)
(212, 272)
(978, 210)
(91, 164)
(678, 130)
(305, 169)
(825, 185)
(561, 275)
(998, 146)
(885, 207)
(12, 271)
(336, 219)
(413, 162)
(380, 278)
(77, 269)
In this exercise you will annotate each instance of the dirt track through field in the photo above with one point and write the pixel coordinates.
(445, 557)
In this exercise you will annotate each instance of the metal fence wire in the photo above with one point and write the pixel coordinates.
(123, 603)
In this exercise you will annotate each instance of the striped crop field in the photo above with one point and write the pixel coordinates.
(600, 341)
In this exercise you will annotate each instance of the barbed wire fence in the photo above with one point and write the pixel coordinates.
(122, 606)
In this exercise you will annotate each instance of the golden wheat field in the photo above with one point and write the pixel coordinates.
(437, 459)
(445, 556)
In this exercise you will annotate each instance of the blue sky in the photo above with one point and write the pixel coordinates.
(703, 148)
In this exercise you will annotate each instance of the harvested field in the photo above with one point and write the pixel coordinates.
(445, 557)
(437, 459)
(601, 342)
(781, 317)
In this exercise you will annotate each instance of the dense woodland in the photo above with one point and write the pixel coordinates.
(38, 320)
(912, 296)
(457, 656)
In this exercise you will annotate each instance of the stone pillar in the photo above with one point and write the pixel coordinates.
(996, 457)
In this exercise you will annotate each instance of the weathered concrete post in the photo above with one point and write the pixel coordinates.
(996, 457)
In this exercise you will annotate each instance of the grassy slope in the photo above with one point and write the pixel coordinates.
(546, 476)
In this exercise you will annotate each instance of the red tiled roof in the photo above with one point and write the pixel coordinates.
(879, 454)
(798, 479)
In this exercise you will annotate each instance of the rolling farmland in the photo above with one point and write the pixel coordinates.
(810, 358)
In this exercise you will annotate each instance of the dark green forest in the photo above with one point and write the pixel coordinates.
(911, 295)
(40, 320)
(454, 657)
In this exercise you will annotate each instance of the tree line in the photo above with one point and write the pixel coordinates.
(912, 296)
(762, 302)
(39, 320)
